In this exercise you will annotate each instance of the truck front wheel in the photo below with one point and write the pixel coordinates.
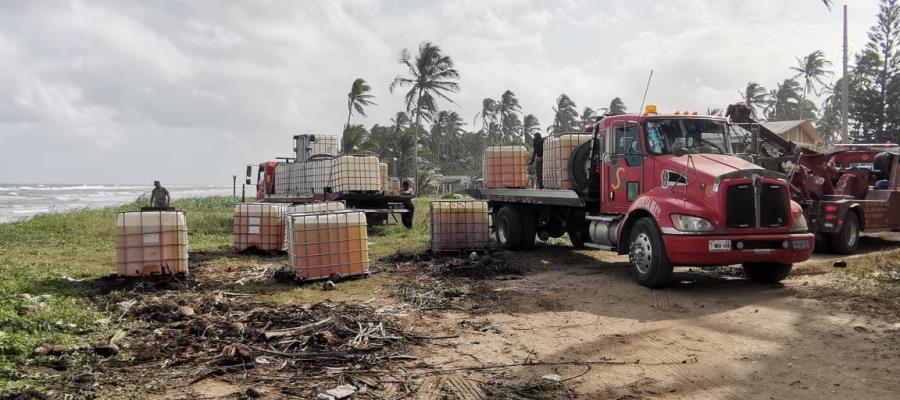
(647, 255)
(847, 240)
(767, 272)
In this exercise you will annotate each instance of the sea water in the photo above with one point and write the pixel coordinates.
(20, 201)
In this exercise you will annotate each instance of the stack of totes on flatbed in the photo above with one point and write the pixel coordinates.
(557, 153)
(459, 225)
(322, 207)
(323, 244)
(355, 174)
(505, 167)
(289, 178)
(259, 225)
(316, 177)
(151, 243)
(324, 145)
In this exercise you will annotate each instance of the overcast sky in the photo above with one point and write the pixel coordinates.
(192, 91)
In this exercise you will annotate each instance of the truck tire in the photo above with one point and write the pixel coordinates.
(578, 166)
(647, 255)
(767, 272)
(578, 235)
(847, 240)
(529, 228)
(822, 243)
(508, 224)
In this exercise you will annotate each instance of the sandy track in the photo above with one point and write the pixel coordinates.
(709, 336)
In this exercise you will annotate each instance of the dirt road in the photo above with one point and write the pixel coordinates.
(710, 336)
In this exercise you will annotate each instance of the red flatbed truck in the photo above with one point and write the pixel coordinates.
(667, 191)
(377, 205)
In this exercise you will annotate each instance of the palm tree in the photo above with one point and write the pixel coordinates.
(616, 106)
(812, 69)
(507, 109)
(785, 101)
(431, 76)
(565, 115)
(353, 137)
(587, 116)
(530, 126)
(488, 116)
(358, 99)
(754, 95)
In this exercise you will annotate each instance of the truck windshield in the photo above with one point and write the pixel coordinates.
(693, 135)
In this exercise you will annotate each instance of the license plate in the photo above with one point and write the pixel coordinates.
(719, 245)
(801, 244)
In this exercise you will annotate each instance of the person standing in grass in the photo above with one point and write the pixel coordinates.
(159, 197)
(407, 218)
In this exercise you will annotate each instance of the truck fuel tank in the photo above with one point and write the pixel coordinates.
(603, 232)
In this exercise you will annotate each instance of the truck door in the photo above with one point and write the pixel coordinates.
(622, 167)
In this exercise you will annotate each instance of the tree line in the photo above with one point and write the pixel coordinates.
(447, 143)
(873, 82)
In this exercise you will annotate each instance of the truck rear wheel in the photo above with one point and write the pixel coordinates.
(515, 228)
(847, 240)
(767, 272)
(647, 255)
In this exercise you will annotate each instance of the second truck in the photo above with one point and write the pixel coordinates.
(667, 191)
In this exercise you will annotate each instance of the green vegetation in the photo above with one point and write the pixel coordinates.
(54, 257)
(48, 256)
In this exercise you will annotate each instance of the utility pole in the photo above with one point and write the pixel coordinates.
(234, 186)
(845, 88)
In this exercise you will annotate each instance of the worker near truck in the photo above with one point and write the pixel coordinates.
(537, 160)
(407, 218)
(159, 197)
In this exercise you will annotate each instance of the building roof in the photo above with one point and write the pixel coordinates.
(782, 127)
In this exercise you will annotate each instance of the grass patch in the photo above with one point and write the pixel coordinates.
(50, 255)
(873, 279)
(55, 256)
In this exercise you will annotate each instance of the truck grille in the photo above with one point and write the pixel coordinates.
(741, 206)
(773, 209)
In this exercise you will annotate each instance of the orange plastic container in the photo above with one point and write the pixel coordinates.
(259, 225)
(325, 206)
(557, 153)
(383, 169)
(459, 225)
(322, 244)
(505, 167)
(151, 243)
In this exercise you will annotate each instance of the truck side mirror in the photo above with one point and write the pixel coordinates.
(679, 151)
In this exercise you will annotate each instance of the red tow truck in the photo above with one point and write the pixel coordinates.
(853, 188)
(667, 191)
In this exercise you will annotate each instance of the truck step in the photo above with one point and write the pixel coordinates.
(599, 246)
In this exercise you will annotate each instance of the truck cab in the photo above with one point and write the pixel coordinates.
(675, 194)
(666, 190)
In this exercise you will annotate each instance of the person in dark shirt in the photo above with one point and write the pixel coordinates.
(407, 218)
(537, 159)
(159, 197)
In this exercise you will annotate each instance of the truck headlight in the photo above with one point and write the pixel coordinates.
(799, 223)
(689, 223)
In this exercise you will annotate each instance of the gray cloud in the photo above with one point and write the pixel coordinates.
(113, 91)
